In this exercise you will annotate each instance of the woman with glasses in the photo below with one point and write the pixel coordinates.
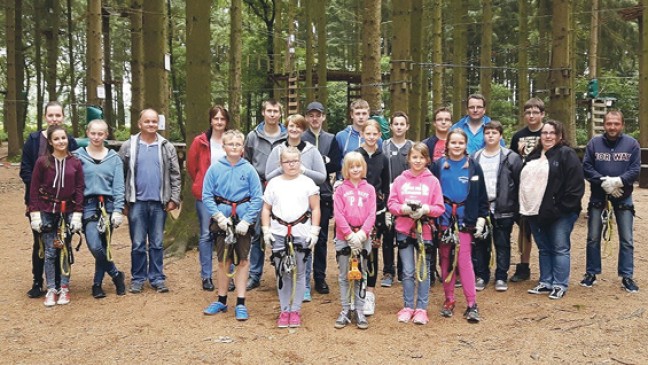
(206, 150)
(551, 188)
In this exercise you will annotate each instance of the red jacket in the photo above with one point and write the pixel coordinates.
(198, 161)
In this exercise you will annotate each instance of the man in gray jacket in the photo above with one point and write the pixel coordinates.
(152, 189)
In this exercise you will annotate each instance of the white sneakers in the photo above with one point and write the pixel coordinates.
(370, 304)
(50, 298)
(63, 297)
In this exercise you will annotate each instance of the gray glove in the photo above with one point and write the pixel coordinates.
(35, 221)
(75, 222)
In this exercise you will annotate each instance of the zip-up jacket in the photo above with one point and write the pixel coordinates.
(349, 140)
(508, 182)
(377, 175)
(354, 207)
(258, 146)
(310, 158)
(54, 181)
(424, 189)
(169, 169)
(396, 157)
(604, 157)
(103, 178)
(330, 152)
(475, 141)
(233, 183)
(565, 186)
(198, 161)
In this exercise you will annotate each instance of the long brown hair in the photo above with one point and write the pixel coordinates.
(460, 132)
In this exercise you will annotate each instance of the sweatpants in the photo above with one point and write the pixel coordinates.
(344, 265)
(464, 265)
(285, 293)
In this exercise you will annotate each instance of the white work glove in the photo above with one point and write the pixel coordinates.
(242, 228)
(75, 222)
(116, 219)
(406, 209)
(362, 237)
(610, 183)
(617, 193)
(313, 236)
(337, 183)
(302, 169)
(353, 240)
(420, 212)
(479, 227)
(388, 220)
(35, 221)
(615, 182)
(221, 220)
(268, 238)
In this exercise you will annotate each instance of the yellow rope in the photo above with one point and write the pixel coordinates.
(608, 227)
(421, 268)
(107, 233)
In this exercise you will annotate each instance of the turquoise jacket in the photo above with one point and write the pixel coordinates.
(103, 178)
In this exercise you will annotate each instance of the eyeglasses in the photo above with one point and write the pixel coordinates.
(548, 133)
(234, 145)
(291, 162)
(475, 107)
(532, 112)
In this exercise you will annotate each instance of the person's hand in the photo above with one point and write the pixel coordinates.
(337, 183)
(221, 220)
(610, 183)
(35, 221)
(352, 239)
(615, 182)
(420, 212)
(406, 209)
(617, 193)
(75, 222)
(302, 169)
(313, 237)
(242, 228)
(362, 237)
(268, 238)
(171, 206)
(116, 219)
(479, 227)
(388, 220)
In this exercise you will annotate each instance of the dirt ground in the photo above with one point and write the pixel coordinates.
(603, 325)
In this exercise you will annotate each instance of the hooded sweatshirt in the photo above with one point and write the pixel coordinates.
(54, 181)
(354, 206)
(310, 158)
(105, 177)
(258, 146)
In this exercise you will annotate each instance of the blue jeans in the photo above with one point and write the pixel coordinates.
(51, 254)
(146, 223)
(317, 260)
(624, 217)
(409, 268)
(95, 240)
(554, 248)
(502, 228)
(257, 255)
(205, 241)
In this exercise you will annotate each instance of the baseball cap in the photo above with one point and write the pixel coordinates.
(315, 105)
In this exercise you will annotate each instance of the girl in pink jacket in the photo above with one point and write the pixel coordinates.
(415, 195)
(354, 207)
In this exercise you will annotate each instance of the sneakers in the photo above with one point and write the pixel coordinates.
(215, 308)
(120, 283)
(501, 285)
(231, 286)
(342, 320)
(448, 308)
(207, 284)
(64, 296)
(540, 289)
(405, 315)
(588, 280)
(295, 319)
(97, 292)
(370, 304)
(387, 280)
(322, 287)
(252, 284)
(557, 293)
(480, 284)
(307, 296)
(458, 282)
(472, 314)
(420, 317)
(284, 320)
(36, 290)
(136, 287)
(361, 320)
(50, 298)
(629, 285)
(241, 313)
(160, 287)
(522, 273)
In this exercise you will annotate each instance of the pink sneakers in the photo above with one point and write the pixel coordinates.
(420, 317)
(284, 320)
(50, 298)
(295, 319)
(405, 315)
(64, 296)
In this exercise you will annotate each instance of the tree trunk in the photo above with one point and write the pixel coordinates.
(310, 57)
(523, 59)
(486, 60)
(437, 53)
(38, 63)
(235, 54)
(175, 89)
(107, 71)
(155, 76)
(544, 41)
(322, 51)
(592, 55)
(11, 98)
(561, 72)
(53, 10)
(74, 115)
(136, 63)
(93, 51)
(401, 59)
(459, 49)
(371, 90)
(21, 74)
(643, 76)
(415, 111)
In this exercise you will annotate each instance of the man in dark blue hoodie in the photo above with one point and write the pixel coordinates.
(611, 164)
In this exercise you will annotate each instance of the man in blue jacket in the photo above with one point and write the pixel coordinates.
(473, 123)
(611, 164)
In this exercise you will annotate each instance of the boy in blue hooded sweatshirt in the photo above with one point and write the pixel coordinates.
(233, 197)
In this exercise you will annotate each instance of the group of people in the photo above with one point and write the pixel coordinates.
(447, 204)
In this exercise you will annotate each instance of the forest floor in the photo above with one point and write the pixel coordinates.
(600, 325)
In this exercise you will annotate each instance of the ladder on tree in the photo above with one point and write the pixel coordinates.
(354, 92)
(598, 110)
(293, 97)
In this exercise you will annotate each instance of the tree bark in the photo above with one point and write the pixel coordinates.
(643, 76)
(437, 54)
(72, 104)
(486, 60)
(371, 79)
(459, 49)
(155, 76)
(544, 42)
(523, 60)
(107, 71)
(38, 63)
(136, 63)
(310, 57)
(235, 71)
(175, 89)
(93, 51)
(322, 51)
(53, 10)
(401, 58)
(592, 55)
(415, 112)
(11, 99)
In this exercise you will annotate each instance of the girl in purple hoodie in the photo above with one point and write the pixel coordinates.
(415, 196)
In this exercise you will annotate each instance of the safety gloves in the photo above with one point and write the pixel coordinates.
(420, 212)
(221, 220)
(612, 186)
(75, 222)
(36, 222)
(268, 238)
(313, 236)
(479, 227)
(242, 228)
(116, 219)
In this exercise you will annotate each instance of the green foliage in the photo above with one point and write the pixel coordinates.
(502, 107)
(122, 134)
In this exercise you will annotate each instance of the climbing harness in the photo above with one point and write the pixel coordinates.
(450, 236)
(607, 227)
(104, 226)
(230, 234)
